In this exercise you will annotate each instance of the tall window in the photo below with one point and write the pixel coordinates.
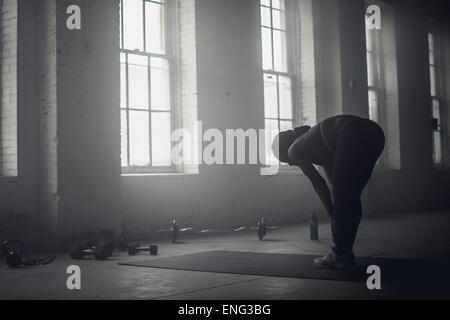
(435, 98)
(146, 96)
(374, 77)
(277, 69)
(381, 54)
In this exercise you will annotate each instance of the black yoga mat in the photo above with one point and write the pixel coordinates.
(393, 271)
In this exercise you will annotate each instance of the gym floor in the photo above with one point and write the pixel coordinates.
(413, 235)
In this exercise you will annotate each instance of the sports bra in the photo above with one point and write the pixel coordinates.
(315, 146)
(324, 139)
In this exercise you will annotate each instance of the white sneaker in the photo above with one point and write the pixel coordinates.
(334, 261)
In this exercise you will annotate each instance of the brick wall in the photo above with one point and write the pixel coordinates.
(187, 113)
(9, 88)
(307, 71)
(19, 194)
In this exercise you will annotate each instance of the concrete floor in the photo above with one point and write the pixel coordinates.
(415, 235)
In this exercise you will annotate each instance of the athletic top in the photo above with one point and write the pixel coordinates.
(314, 145)
(318, 144)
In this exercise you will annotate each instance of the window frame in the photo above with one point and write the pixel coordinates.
(170, 55)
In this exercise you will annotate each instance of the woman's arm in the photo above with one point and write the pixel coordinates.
(319, 185)
(316, 179)
(329, 176)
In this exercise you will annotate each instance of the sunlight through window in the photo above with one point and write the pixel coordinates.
(146, 97)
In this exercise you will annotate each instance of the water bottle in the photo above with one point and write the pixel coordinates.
(314, 227)
(175, 230)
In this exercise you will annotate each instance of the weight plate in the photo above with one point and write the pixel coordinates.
(131, 250)
(12, 247)
(101, 252)
(153, 250)
(77, 251)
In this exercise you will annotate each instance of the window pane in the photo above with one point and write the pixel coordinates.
(433, 80)
(285, 125)
(154, 27)
(430, 42)
(160, 84)
(265, 17)
(278, 19)
(270, 96)
(285, 97)
(437, 143)
(373, 105)
(133, 28)
(279, 49)
(437, 147)
(265, 3)
(138, 81)
(370, 69)
(123, 81)
(277, 4)
(431, 56)
(139, 138)
(123, 138)
(161, 146)
(267, 49)
(369, 39)
(436, 111)
(271, 127)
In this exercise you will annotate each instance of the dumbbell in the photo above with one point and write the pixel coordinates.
(101, 251)
(109, 248)
(13, 250)
(262, 229)
(122, 246)
(135, 248)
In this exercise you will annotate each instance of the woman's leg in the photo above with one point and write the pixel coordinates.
(356, 154)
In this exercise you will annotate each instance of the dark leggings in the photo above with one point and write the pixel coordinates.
(357, 151)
